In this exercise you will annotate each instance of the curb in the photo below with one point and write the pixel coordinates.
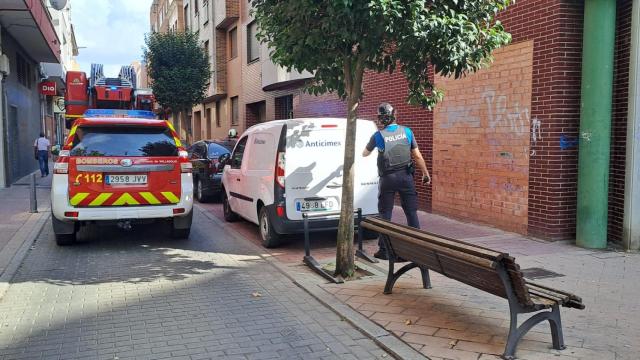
(22, 242)
(386, 340)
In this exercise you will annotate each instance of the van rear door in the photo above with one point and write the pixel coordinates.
(314, 166)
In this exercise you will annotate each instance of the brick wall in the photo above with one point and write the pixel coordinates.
(481, 142)
(619, 121)
(392, 88)
(555, 26)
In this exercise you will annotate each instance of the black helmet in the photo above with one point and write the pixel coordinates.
(386, 113)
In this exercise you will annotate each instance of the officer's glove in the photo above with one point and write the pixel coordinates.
(426, 179)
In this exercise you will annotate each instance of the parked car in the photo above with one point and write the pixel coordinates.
(207, 171)
(121, 170)
(281, 169)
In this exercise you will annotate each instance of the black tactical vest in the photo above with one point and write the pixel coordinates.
(397, 151)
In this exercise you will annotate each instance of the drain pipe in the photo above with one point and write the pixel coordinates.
(631, 222)
(595, 122)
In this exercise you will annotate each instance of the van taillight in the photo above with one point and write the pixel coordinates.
(61, 165)
(280, 169)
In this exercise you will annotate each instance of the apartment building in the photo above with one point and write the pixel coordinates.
(246, 87)
(164, 16)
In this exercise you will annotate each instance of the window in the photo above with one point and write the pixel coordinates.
(207, 116)
(234, 110)
(238, 152)
(205, 10)
(123, 141)
(284, 107)
(25, 73)
(215, 150)
(218, 114)
(253, 46)
(187, 19)
(233, 43)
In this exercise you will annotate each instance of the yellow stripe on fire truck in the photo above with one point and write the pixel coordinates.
(141, 198)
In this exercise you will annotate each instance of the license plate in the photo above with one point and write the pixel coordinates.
(126, 179)
(314, 205)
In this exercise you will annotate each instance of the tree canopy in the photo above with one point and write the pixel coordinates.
(179, 68)
(337, 40)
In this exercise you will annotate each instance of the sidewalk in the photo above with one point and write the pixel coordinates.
(17, 225)
(455, 321)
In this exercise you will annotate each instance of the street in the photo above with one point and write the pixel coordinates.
(139, 294)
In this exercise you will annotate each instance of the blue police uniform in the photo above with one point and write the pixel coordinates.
(394, 144)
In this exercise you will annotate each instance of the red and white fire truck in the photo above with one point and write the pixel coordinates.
(120, 164)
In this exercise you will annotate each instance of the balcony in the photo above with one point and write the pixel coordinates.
(28, 22)
(275, 77)
(226, 12)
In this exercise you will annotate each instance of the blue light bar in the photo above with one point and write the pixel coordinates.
(138, 114)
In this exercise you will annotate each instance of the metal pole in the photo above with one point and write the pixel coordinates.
(307, 244)
(359, 219)
(595, 123)
(33, 201)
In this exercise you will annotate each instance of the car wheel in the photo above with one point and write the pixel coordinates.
(229, 215)
(200, 196)
(270, 238)
(65, 239)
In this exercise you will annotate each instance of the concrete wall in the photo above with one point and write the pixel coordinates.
(22, 116)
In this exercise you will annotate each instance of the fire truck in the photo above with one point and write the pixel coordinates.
(100, 92)
(119, 165)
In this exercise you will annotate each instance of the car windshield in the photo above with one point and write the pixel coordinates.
(215, 150)
(123, 141)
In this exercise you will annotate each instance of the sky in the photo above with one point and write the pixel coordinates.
(110, 32)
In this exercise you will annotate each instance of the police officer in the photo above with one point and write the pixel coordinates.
(396, 145)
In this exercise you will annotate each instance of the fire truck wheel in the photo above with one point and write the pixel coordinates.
(181, 226)
(65, 239)
(180, 233)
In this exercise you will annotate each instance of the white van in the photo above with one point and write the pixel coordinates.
(280, 169)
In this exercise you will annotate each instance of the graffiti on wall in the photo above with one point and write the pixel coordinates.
(501, 114)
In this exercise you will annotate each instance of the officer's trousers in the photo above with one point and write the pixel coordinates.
(400, 182)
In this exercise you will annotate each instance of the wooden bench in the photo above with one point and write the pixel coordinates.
(480, 267)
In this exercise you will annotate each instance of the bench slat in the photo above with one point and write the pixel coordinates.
(483, 262)
(432, 238)
(479, 277)
(407, 251)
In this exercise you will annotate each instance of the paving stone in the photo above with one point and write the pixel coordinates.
(141, 295)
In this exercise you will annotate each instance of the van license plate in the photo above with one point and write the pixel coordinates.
(126, 179)
(314, 205)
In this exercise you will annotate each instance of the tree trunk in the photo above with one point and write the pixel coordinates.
(344, 247)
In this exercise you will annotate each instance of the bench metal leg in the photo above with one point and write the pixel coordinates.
(517, 332)
(393, 277)
(426, 280)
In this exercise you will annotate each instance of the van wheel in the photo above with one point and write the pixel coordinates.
(270, 238)
(200, 196)
(229, 215)
(65, 239)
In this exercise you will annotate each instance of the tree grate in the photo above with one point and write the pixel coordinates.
(539, 273)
